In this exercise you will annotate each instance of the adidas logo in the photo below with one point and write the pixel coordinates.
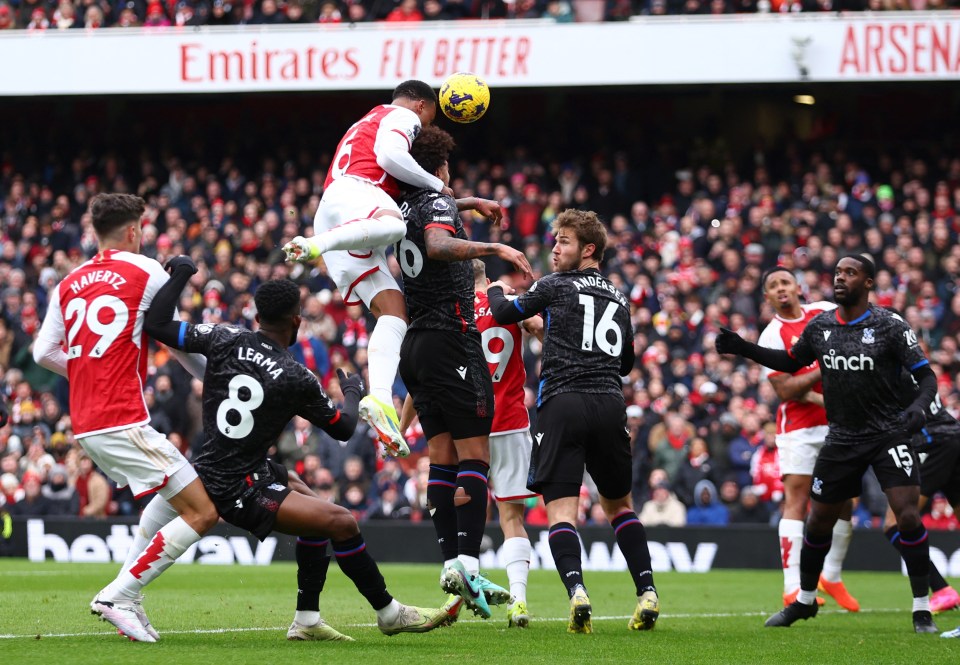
(462, 371)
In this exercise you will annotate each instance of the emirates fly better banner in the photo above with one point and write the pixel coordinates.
(706, 50)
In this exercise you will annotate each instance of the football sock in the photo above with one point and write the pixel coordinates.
(441, 485)
(936, 579)
(632, 539)
(312, 564)
(383, 356)
(812, 554)
(471, 564)
(833, 564)
(516, 559)
(389, 613)
(921, 604)
(471, 513)
(357, 564)
(164, 548)
(360, 234)
(565, 547)
(915, 549)
(157, 513)
(791, 541)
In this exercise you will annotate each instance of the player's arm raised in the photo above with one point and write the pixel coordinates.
(392, 148)
(529, 304)
(159, 321)
(799, 356)
(486, 207)
(442, 245)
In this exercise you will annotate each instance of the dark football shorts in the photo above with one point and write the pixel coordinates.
(255, 506)
(449, 379)
(839, 468)
(938, 448)
(577, 431)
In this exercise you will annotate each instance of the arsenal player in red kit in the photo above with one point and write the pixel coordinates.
(93, 335)
(510, 441)
(801, 431)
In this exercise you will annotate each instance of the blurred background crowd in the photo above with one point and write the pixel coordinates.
(95, 14)
(687, 249)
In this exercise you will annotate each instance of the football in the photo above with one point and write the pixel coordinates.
(464, 97)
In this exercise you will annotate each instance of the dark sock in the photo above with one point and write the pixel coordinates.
(812, 554)
(936, 579)
(632, 539)
(441, 485)
(915, 549)
(472, 513)
(362, 570)
(565, 547)
(312, 564)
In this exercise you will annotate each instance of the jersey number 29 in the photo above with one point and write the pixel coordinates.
(79, 310)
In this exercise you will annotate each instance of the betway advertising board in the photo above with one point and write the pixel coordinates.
(689, 550)
(653, 50)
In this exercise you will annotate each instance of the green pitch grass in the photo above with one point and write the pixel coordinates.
(210, 615)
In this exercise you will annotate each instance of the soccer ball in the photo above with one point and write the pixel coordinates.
(464, 97)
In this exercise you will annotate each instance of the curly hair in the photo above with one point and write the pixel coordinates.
(277, 299)
(587, 228)
(111, 211)
(432, 148)
(415, 90)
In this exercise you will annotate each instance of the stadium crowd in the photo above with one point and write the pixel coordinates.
(95, 14)
(689, 259)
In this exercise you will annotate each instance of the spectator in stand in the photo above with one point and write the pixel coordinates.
(750, 509)
(296, 443)
(405, 11)
(390, 504)
(941, 516)
(663, 509)
(92, 489)
(697, 467)
(765, 468)
(709, 510)
(60, 495)
(33, 503)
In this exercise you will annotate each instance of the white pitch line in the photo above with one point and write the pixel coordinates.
(536, 619)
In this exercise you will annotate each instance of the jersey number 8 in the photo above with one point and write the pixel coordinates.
(243, 405)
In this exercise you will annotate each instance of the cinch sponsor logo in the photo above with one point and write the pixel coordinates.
(89, 548)
(858, 363)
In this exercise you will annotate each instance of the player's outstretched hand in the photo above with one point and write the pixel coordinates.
(4, 414)
(729, 342)
(354, 381)
(181, 261)
(489, 209)
(507, 289)
(516, 257)
(914, 419)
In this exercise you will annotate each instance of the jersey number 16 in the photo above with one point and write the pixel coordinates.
(600, 333)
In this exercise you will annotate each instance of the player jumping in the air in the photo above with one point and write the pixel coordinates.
(358, 218)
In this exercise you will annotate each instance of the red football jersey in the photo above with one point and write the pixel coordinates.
(356, 153)
(98, 309)
(503, 350)
(793, 416)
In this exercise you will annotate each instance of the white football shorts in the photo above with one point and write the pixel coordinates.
(798, 450)
(358, 274)
(510, 465)
(142, 458)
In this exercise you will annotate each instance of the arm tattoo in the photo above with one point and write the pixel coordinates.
(441, 246)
